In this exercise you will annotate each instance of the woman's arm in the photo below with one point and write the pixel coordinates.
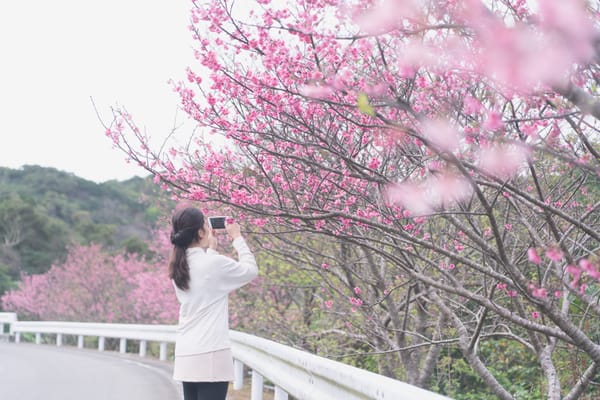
(235, 274)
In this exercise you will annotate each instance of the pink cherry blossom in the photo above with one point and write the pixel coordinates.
(502, 161)
(554, 254)
(441, 134)
(493, 121)
(541, 293)
(533, 256)
(356, 301)
(387, 15)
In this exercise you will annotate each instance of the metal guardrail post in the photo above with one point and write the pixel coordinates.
(163, 351)
(80, 342)
(123, 345)
(257, 386)
(101, 343)
(143, 347)
(238, 374)
(280, 394)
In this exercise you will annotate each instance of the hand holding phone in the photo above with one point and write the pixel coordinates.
(233, 228)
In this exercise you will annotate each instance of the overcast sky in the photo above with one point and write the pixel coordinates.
(55, 55)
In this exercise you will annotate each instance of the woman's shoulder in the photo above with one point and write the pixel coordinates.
(207, 259)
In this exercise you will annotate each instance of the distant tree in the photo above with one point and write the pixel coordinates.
(92, 285)
(37, 239)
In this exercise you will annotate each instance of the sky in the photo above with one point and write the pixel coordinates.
(56, 55)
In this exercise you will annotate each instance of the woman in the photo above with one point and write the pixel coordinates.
(202, 279)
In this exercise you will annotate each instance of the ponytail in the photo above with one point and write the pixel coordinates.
(179, 269)
(186, 224)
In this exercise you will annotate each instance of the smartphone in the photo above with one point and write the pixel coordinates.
(216, 222)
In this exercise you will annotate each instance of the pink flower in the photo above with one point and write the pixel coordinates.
(374, 163)
(325, 266)
(493, 121)
(587, 266)
(328, 304)
(533, 256)
(410, 195)
(441, 134)
(356, 301)
(471, 105)
(535, 314)
(357, 291)
(502, 161)
(554, 253)
(540, 293)
(315, 91)
(447, 188)
(387, 15)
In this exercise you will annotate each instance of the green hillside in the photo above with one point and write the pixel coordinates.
(42, 210)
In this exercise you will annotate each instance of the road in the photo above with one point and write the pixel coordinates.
(32, 372)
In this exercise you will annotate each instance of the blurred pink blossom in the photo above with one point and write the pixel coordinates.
(533, 255)
(443, 135)
(315, 91)
(493, 121)
(590, 268)
(502, 161)
(387, 15)
(554, 254)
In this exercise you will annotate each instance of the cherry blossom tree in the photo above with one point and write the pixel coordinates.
(434, 162)
(94, 286)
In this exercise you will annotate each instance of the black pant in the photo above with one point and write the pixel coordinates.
(205, 390)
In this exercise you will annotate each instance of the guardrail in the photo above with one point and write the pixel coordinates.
(293, 372)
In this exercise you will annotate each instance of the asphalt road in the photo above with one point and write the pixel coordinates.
(32, 372)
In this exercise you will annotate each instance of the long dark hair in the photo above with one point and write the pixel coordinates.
(185, 226)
